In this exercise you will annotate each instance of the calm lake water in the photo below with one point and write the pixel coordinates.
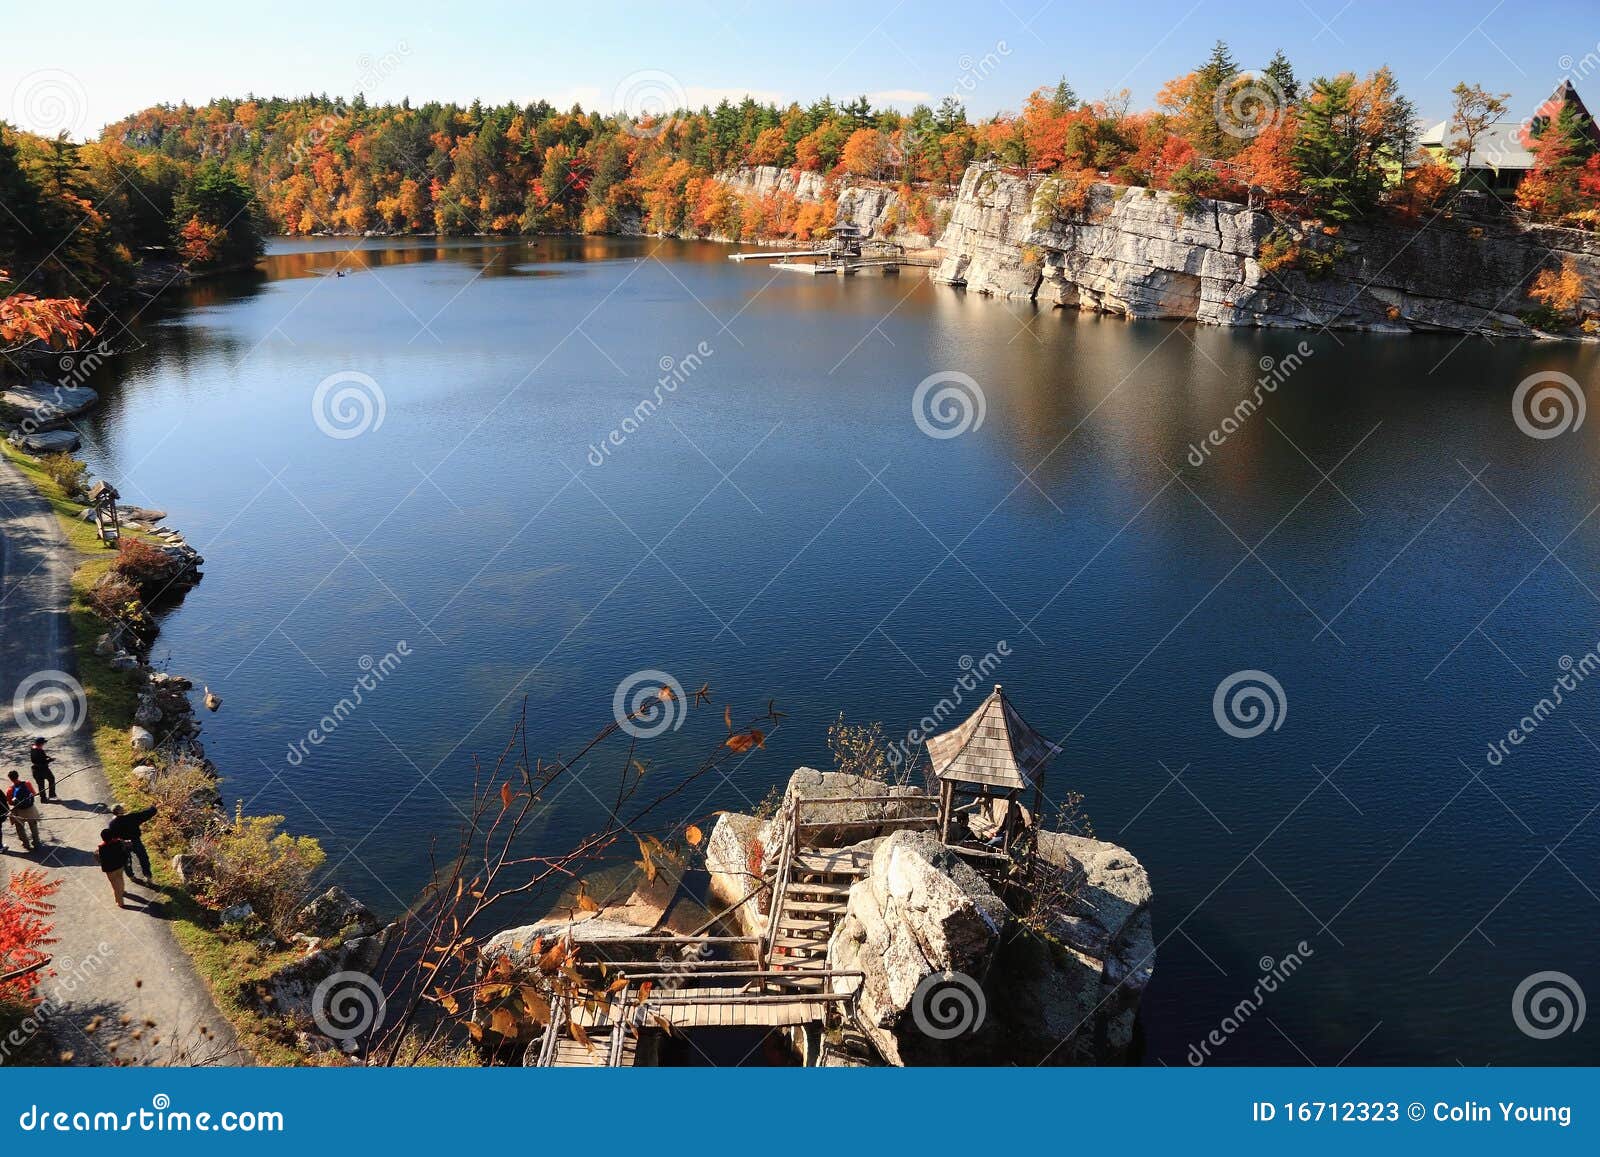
(1381, 539)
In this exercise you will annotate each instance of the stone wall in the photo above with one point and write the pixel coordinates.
(1141, 253)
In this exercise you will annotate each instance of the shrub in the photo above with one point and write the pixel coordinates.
(116, 600)
(185, 795)
(1278, 252)
(1542, 317)
(861, 749)
(147, 567)
(1193, 180)
(254, 862)
(1559, 290)
(68, 473)
(1318, 263)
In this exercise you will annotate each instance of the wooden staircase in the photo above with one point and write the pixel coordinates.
(613, 1041)
(811, 879)
(809, 903)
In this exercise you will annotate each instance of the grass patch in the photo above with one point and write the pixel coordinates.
(225, 959)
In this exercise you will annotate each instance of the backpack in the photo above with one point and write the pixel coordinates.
(21, 796)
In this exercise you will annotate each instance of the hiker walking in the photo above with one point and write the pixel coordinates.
(113, 856)
(128, 827)
(42, 775)
(24, 811)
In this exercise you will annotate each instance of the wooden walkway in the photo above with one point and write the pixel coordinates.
(788, 985)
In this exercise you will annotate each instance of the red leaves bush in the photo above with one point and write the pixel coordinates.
(25, 928)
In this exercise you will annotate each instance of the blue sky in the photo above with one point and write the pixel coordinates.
(96, 61)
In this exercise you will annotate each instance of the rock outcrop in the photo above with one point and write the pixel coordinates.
(878, 209)
(950, 974)
(922, 927)
(45, 402)
(1141, 253)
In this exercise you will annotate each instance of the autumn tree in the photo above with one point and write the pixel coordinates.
(864, 154)
(1560, 290)
(25, 932)
(1563, 146)
(52, 322)
(215, 214)
(1474, 110)
(1353, 133)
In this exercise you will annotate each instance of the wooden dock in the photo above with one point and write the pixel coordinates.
(788, 985)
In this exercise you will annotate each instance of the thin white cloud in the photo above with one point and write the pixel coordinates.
(656, 89)
(899, 97)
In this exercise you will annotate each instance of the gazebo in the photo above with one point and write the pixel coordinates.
(984, 767)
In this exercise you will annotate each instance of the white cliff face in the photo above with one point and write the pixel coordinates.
(874, 208)
(764, 180)
(1139, 253)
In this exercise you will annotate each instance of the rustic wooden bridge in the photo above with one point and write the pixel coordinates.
(787, 984)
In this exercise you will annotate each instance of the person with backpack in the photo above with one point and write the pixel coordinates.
(24, 811)
(128, 827)
(113, 856)
(42, 775)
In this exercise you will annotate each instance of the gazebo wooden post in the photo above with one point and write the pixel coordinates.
(947, 794)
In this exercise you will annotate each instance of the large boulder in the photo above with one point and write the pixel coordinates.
(845, 809)
(734, 852)
(48, 441)
(922, 927)
(351, 1001)
(47, 402)
(336, 911)
(1075, 983)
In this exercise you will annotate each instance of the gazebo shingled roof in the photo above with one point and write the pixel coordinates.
(995, 747)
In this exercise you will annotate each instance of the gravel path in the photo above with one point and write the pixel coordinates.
(120, 975)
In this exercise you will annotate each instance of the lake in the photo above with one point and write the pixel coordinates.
(480, 484)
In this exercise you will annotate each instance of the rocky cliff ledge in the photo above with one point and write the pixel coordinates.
(875, 208)
(949, 973)
(1146, 254)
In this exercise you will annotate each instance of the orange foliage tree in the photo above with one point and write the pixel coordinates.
(57, 322)
(25, 932)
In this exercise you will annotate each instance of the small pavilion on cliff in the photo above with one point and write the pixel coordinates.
(984, 767)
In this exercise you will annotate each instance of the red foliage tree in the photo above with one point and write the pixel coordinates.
(25, 931)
